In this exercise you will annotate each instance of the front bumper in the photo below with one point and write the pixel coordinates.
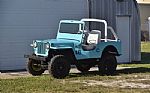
(40, 58)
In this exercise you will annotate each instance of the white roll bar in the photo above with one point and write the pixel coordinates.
(113, 32)
(97, 20)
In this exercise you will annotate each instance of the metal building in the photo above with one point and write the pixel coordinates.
(124, 17)
(22, 21)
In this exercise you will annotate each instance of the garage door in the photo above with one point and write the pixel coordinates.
(22, 21)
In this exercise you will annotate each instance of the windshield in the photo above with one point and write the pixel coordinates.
(72, 28)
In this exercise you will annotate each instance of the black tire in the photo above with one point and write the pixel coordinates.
(59, 67)
(108, 65)
(83, 67)
(34, 67)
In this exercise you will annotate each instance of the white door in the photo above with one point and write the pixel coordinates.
(123, 30)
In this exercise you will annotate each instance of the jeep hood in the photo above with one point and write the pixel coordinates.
(61, 43)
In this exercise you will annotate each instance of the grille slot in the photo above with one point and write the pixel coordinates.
(41, 48)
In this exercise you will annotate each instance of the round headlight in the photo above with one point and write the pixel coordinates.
(47, 45)
(34, 44)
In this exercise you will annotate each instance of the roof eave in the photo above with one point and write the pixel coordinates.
(143, 2)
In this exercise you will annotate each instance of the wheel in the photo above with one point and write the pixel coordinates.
(34, 67)
(108, 64)
(59, 66)
(83, 67)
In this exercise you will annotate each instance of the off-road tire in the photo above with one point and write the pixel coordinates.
(107, 65)
(59, 67)
(34, 67)
(83, 68)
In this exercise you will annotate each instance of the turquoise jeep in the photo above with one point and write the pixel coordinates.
(76, 45)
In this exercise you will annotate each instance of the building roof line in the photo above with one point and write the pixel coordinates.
(143, 2)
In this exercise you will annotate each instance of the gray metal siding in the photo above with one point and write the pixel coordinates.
(135, 32)
(22, 21)
(104, 9)
(109, 9)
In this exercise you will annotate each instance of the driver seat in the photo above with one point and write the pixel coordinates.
(92, 40)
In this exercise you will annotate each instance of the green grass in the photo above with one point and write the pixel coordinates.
(145, 57)
(145, 52)
(47, 84)
(145, 47)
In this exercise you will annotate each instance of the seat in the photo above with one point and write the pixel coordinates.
(97, 32)
(92, 40)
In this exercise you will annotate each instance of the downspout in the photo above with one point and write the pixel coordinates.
(139, 25)
(89, 4)
(138, 11)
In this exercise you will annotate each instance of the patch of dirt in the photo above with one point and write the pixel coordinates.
(127, 83)
(14, 75)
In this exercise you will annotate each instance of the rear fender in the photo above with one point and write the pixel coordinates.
(111, 50)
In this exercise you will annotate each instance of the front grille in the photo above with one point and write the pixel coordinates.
(41, 48)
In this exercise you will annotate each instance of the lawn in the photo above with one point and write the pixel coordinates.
(145, 52)
(129, 80)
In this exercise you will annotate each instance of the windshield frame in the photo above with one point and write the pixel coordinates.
(69, 36)
(80, 23)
